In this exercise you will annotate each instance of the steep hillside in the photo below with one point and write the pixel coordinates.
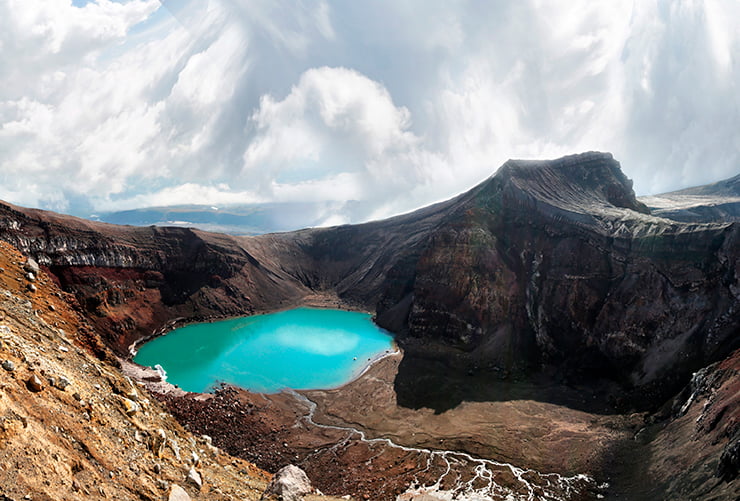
(550, 267)
(131, 281)
(555, 266)
(691, 449)
(73, 427)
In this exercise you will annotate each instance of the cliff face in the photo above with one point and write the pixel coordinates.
(557, 264)
(131, 281)
(546, 267)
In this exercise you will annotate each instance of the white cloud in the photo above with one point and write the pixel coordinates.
(334, 119)
(188, 193)
(125, 122)
(395, 104)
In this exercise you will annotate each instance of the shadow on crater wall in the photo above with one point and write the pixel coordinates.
(422, 382)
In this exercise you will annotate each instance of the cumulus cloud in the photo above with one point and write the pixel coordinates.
(337, 134)
(393, 105)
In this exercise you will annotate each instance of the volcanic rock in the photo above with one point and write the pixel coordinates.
(34, 384)
(31, 266)
(194, 477)
(61, 383)
(177, 493)
(547, 267)
(549, 271)
(157, 441)
(129, 406)
(290, 483)
(729, 461)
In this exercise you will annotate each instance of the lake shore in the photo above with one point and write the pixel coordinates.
(275, 429)
(301, 348)
(320, 430)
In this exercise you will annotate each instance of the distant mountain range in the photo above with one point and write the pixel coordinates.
(247, 219)
(713, 202)
(718, 201)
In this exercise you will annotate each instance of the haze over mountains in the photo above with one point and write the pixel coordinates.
(716, 201)
(248, 219)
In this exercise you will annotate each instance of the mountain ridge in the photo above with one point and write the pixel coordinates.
(549, 272)
(529, 214)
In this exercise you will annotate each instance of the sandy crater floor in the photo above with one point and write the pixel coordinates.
(327, 441)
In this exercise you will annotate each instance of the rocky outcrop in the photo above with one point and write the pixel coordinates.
(290, 483)
(689, 449)
(131, 282)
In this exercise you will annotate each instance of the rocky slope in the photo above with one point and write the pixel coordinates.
(556, 266)
(548, 272)
(547, 267)
(72, 426)
(131, 281)
(690, 449)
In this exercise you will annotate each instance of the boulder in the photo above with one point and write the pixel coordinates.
(34, 384)
(177, 493)
(31, 266)
(61, 383)
(290, 483)
(129, 406)
(157, 442)
(194, 477)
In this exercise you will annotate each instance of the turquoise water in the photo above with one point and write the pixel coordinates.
(301, 349)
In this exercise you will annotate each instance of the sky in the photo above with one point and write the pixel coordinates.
(375, 108)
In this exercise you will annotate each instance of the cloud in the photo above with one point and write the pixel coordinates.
(680, 95)
(390, 104)
(334, 121)
(120, 123)
(188, 193)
